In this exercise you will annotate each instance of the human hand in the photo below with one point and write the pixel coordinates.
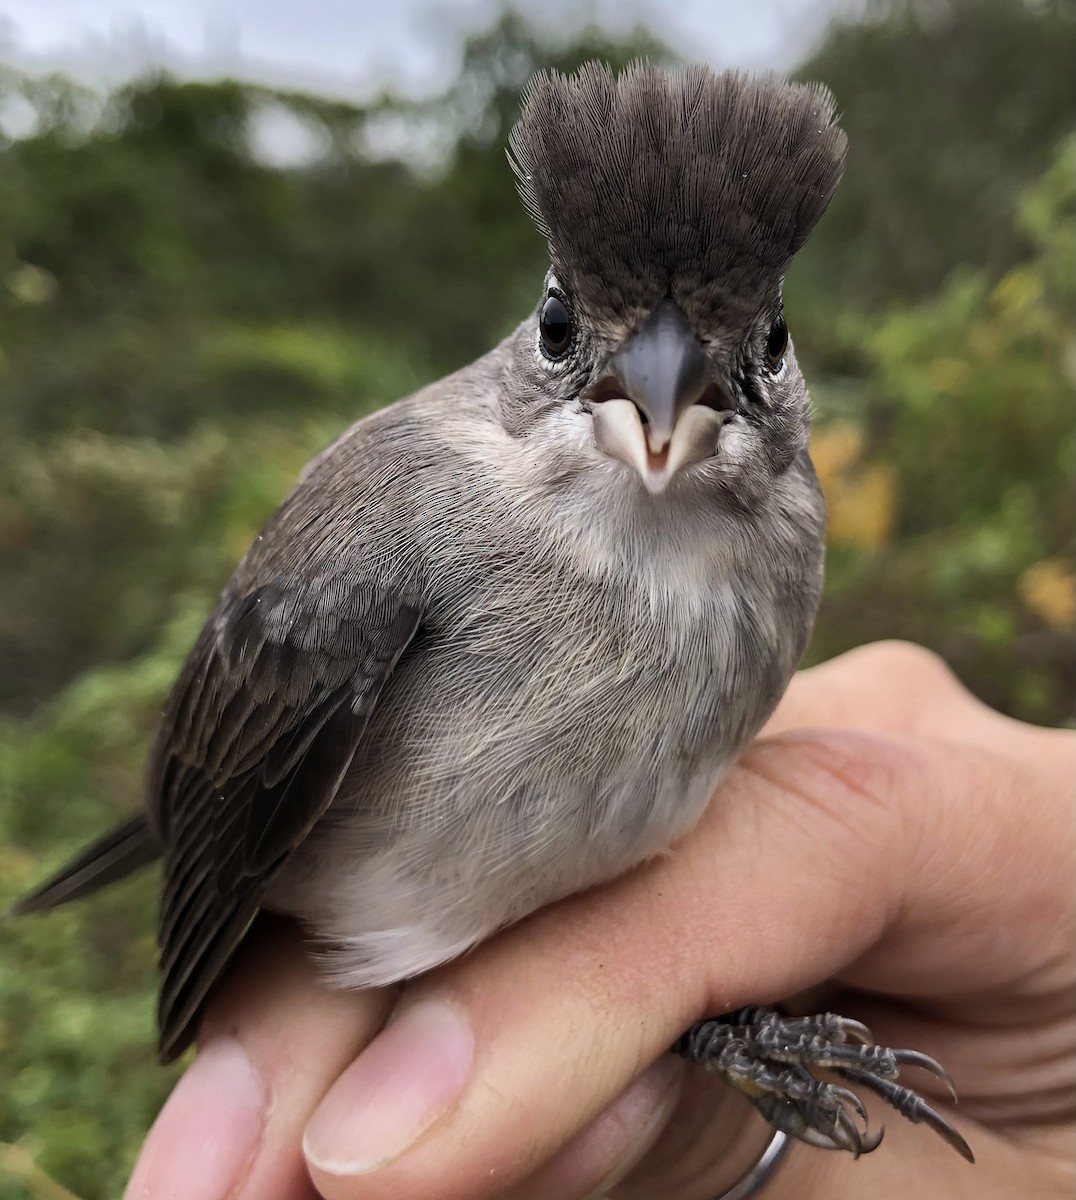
(916, 854)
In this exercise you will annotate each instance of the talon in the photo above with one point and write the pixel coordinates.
(934, 1120)
(857, 1029)
(952, 1136)
(874, 1140)
(912, 1106)
(850, 1138)
(915, 1058)
(847, 1096)
(836, 1139)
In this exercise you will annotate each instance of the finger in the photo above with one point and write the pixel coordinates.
(909, 1164)
(607, 1149)
(562, 1012)
(906, 1164)
(696, 1141)
(706, 1145)
(712, 1140)
(272, 1043)
(895, 688)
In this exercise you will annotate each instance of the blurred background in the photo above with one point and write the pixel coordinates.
(224, 237)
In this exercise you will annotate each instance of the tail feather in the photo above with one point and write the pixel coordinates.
(115, 854)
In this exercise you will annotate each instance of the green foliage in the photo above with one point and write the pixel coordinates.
(952, 108)
(183, 323)
(76, 994)
(966, 399)
(99, 532)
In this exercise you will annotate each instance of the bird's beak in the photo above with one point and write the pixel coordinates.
(658, 406)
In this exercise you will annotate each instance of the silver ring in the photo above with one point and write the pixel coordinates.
(749, 1183)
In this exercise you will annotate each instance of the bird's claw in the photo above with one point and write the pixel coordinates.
(769, 1058)
(915, 1058)
(820, 1116)
(912, 1106)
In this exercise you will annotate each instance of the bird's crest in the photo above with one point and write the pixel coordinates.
(685, 181)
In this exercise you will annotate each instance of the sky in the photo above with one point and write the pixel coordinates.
(354, 48)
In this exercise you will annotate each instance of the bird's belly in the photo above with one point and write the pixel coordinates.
(488, 789)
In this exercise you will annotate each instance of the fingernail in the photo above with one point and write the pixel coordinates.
(207, 1134)
(393, 1092)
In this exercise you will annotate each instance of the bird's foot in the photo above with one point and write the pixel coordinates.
(769, 1058)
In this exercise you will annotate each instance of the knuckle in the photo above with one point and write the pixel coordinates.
(909, 663)
(848, 805)
(847, 778)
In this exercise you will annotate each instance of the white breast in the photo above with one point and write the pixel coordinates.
(568, 715)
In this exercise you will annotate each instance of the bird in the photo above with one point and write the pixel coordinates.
(506, 635)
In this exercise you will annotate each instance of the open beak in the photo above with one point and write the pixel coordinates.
(658, 406)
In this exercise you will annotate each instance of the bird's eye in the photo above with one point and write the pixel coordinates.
(555, 326)
(777, 343)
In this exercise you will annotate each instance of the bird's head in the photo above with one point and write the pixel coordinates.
(672, 203)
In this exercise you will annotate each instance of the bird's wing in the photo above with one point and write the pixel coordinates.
(256, 739)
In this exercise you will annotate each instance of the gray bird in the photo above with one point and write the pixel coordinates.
(506, 635)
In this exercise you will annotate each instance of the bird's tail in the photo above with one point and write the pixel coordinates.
(117, 853)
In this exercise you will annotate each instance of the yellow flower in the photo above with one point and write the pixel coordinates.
(1049, 589)
(861, 498)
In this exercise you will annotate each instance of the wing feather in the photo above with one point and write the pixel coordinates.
(259, 733)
